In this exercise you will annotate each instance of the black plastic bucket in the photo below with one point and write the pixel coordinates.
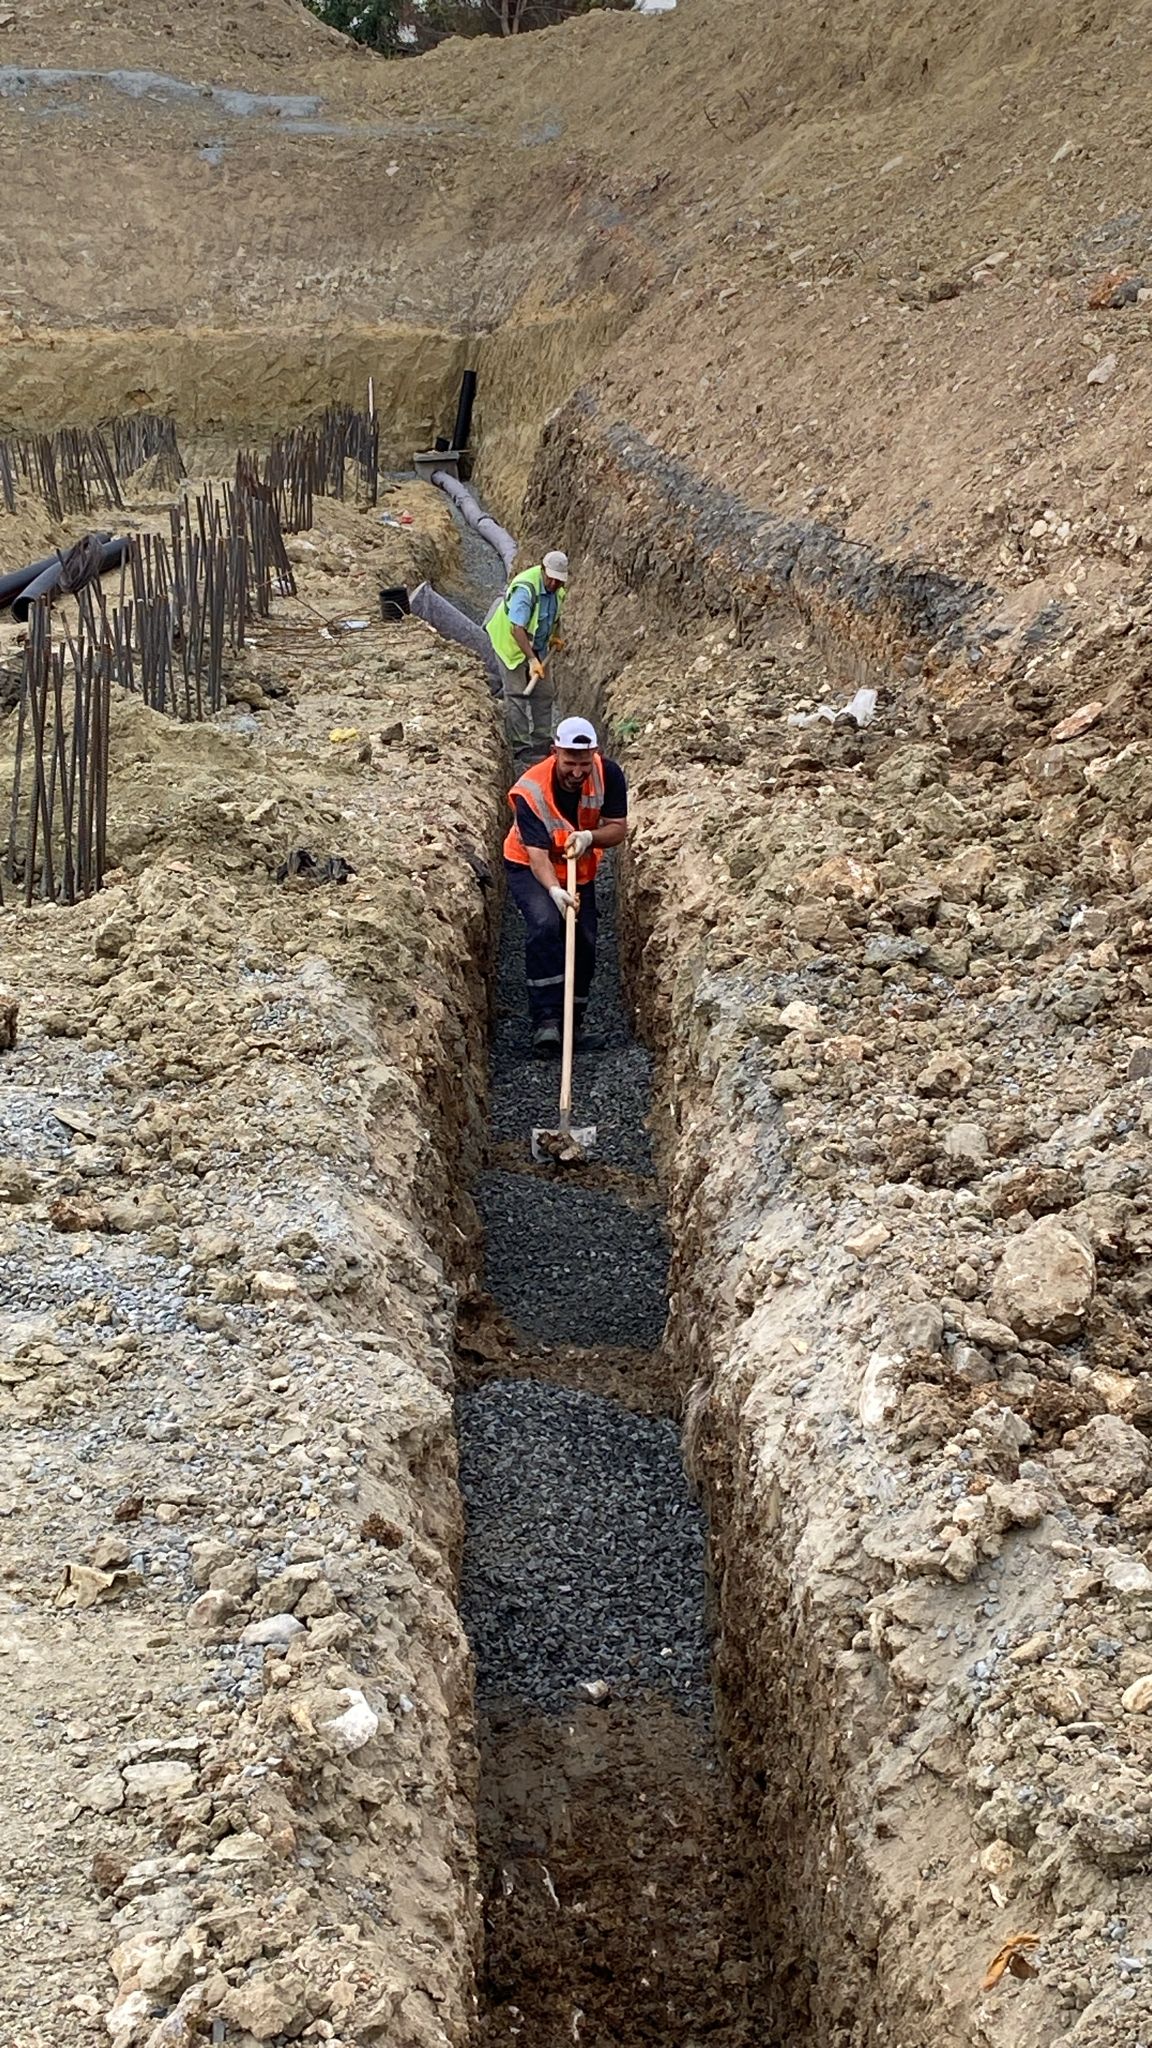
(394, 602)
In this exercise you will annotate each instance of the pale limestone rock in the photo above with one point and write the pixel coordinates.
(1044, 1283)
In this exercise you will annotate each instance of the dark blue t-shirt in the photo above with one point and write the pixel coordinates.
(535, 833)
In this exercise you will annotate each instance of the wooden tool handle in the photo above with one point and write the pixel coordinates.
(569, 1004)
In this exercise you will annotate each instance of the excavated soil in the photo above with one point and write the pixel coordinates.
(822, 345)
(230, 1139)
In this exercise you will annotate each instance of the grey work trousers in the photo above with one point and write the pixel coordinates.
(528, 721)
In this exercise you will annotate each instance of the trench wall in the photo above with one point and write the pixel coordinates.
(227, 1317)
(891, 1508)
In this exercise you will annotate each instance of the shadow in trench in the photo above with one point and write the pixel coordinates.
(614, 1896)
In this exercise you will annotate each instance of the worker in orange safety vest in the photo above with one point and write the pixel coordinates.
(575, 801)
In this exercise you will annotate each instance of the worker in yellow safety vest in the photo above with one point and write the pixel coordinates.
(523, 628)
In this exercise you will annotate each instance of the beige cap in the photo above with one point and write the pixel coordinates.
(555, 564)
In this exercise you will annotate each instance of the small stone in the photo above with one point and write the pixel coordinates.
(212, 1609)
(949, 1073)
(868, 1241)
(16, 1183)
(1032, 1649)
(1137, 1698)
(237, 1577)
(992, 1335)
(356, 1726)
(1078, 721)
(267, 2007)
(162, 1779)
(802, 1017)
(1127, 1576)
(968, 1142)
(1105, 1462)
(277, 1629)
(247, 1847)
(1103, 371)
(961, 1560)
(274, 1286)
(103, 1793)
(127, 2017)
(595, 1689)
(920, 1328)
(209, 1557)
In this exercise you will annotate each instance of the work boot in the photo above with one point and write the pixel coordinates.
(547, 1043)
(589, 1041)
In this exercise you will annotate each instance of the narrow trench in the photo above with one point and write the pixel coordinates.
(615, 1907)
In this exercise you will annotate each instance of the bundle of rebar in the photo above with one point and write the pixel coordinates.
(184, 604)
(57, 821)
(141, 437)
(78, 468)
(312, 461)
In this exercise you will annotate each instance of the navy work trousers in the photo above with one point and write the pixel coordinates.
(544, 945)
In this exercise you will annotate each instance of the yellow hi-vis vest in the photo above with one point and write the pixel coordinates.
(499, 626)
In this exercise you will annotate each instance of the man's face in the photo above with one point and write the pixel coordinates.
(572, 766)
(552, 583)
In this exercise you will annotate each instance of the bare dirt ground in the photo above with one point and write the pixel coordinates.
(912, 1283)
(854, 303)
(611, 1874)
(228, 1226)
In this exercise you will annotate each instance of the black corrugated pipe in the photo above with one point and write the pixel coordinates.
(463, 427)
(19, 579)
(112, 553)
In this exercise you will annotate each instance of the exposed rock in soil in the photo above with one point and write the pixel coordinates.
(237, 1693)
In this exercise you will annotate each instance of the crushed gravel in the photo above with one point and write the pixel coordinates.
(573, 1265)
(585, 1551)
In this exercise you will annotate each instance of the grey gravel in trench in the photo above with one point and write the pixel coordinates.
(585, 1556)
(585, 1552)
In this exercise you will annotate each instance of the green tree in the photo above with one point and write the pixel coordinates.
(378, 23)
(402, 28)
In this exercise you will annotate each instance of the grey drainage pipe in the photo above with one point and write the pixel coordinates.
(110, 554)
(474, 513)
(451, 624)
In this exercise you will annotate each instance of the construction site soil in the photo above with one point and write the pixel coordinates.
(820, 339)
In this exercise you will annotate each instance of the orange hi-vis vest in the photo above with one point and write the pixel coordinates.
(537, 787)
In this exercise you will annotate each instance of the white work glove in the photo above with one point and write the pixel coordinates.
(563, 901)
(578, 845)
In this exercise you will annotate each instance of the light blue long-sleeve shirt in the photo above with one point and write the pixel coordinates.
(521, 606)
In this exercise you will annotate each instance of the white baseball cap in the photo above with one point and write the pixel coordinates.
(576, 733)
(555, 564)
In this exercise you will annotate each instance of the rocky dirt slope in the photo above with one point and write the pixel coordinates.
(845, 319)
(902, 971)
(236, 1687)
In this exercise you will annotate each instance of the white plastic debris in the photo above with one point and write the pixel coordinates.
(595, 1689)
(356, 1725)
(861, 709)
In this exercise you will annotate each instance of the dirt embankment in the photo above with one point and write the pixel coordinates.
(897, 977)
(237, 1689)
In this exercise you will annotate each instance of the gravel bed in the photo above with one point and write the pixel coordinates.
(585, 1553)
(573, 1265)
